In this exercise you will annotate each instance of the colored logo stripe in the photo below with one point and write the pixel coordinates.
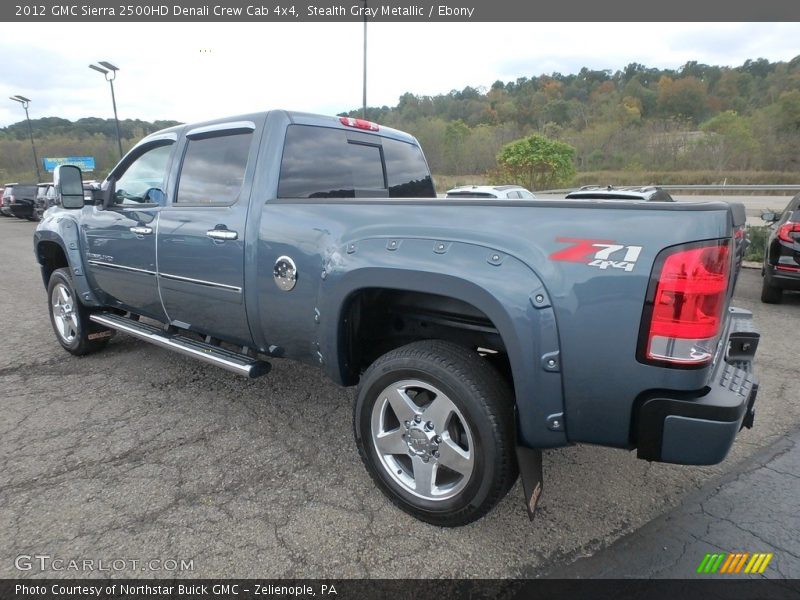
(734, 562)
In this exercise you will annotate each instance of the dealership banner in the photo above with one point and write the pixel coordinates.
(84, 163)
(397, 11)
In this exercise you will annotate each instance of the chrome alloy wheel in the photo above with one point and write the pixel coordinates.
(64, 315)
(422, 440)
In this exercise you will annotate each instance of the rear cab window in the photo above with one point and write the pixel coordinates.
(323, 162)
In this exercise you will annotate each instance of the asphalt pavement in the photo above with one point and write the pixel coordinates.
(140, 454)
(750, 511)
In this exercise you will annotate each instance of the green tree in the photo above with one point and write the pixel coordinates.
(731, 143)
(686, 97)
(535, 162)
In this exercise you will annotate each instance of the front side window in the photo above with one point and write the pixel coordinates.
(143, 180)
(213, 169)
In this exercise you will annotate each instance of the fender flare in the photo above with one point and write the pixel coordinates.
(63, 231)
(504, 288)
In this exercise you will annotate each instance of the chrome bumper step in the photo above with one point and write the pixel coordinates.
(215, 355)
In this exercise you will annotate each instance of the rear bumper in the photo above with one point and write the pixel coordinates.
(783, 278)
(22, 210)
(699, 428)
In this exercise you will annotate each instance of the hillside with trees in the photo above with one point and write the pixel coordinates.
(56, 137)
(695, 124)
(637, 122)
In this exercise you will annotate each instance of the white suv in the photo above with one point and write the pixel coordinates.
(504, 192)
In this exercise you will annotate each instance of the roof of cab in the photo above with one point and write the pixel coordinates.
(295, 117)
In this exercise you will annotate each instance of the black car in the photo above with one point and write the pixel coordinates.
(781, 269)
(18, 199)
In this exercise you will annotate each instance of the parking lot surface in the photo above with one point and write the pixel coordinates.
(137, 453)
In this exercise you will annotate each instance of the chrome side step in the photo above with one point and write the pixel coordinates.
(232, 361)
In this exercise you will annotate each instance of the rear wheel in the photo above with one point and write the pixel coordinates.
(770, 294)
(434, 426)
(70, 319)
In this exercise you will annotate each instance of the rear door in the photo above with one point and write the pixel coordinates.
(201, 245)
(121, 240)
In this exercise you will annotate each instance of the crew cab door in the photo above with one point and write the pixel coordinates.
(201, 245)
(121, 239)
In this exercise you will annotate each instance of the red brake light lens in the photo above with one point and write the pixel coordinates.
(359, 123)
(686, 316)
(786, 230)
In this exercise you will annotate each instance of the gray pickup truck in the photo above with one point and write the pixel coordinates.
(478, 332)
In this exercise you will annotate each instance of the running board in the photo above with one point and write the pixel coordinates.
(231, 361)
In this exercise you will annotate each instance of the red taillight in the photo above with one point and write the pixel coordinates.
(359, 123)
(686, 316)
(786, 230)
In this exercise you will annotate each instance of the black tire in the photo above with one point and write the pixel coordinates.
(82, 336)
(770, 294)
(481, 421)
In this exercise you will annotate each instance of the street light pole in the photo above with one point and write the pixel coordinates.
(109, 71)
(364, 110)
(25, 102)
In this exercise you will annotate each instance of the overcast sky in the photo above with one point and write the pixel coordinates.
(196, 71)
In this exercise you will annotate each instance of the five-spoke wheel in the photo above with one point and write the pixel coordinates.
(70, 319)
(422, 439)
(434, 425)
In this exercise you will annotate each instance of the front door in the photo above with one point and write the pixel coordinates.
(121, 239)
(201, 245)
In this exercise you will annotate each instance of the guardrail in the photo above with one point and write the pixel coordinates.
(701, 188)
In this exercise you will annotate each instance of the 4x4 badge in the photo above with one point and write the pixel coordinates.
(603, 254)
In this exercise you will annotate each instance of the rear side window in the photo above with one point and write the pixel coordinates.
(407, 171)
(213, 169)
(321, 162)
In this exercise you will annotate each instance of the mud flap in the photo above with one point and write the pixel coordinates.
(530, 469)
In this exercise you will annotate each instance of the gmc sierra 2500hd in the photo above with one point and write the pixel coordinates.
(478, 332)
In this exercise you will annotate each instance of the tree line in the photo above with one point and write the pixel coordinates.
(697, 117)
(56, 137)
(638, 119)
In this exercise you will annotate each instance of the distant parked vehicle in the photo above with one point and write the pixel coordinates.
(653, 193)
(649, 193)
(781, 270)
(45, 198)
(18, 200)
(5, 199)
(516, 192)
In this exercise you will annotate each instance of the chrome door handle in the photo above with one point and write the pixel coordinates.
(142, 230)
(222, 234)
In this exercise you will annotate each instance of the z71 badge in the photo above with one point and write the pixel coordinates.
(603, 254)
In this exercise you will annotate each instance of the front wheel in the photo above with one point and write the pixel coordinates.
(434, 426)
(70, 319)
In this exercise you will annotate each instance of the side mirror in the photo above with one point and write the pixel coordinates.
(769, 216)
(69, 186)
(156, 196)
